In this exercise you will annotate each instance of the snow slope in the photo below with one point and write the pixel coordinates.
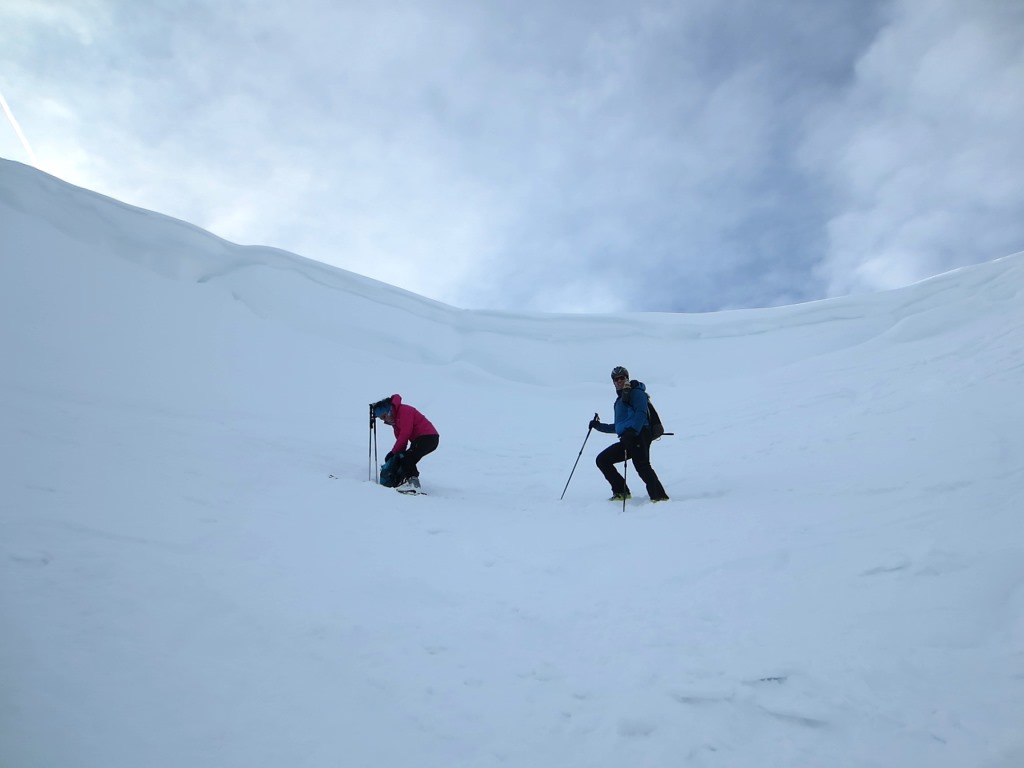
(838, 580)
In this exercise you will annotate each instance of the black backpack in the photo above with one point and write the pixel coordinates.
(391, 472)
(653, 419)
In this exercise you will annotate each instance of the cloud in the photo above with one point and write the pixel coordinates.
(575, 156)
(923, 153)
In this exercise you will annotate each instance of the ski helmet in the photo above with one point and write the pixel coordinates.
(618, 371)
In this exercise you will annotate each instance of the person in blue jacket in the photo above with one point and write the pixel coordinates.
(633, 429)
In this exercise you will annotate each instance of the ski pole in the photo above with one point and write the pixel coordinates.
(589, 430)
(372, 448)
(625, 475)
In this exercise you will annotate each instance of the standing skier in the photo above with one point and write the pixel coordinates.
(415, 437)
(632, 425)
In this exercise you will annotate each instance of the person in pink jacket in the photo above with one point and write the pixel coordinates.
(415, 437)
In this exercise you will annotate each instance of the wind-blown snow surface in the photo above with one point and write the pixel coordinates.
(838, 580)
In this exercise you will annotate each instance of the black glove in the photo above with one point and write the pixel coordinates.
(595, 423)
(388, 457)
(628, 435)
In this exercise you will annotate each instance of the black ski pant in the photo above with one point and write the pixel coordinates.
(418, 448)
(637, 450)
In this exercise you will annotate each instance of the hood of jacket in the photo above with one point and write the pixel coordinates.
(634, 384)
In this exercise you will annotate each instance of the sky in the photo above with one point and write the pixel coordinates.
(198, 569)
(559, 157)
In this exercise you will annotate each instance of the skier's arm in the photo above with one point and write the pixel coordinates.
(403, 429)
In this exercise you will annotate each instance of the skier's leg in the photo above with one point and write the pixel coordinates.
(640, 454)
(606, 461)
(418, 448)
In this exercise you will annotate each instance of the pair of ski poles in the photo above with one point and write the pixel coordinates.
(372, 458)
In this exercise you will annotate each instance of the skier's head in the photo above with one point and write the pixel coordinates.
(382, 408)
(620, 377)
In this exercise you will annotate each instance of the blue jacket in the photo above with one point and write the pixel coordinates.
(630, 410)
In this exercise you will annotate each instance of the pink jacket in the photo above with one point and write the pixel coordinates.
(409, 424)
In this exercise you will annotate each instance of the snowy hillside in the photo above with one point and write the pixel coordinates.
(838, 580)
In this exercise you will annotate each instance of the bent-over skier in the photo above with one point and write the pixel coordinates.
(415, 437)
